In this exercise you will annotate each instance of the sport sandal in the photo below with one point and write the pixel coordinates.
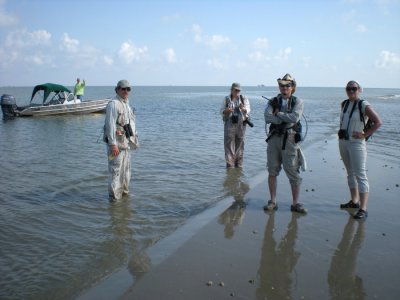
(299, 208)
(271, 206)
(361, 215)
(350, 204)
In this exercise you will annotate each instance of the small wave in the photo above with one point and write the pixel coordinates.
(390, 96)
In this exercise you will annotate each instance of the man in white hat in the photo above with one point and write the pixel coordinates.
(284, 112)
(120, 135)
(234, 110)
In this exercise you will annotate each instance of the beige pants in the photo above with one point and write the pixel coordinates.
(289, 158)
(354, 156)
(234, 143)
(119, 169)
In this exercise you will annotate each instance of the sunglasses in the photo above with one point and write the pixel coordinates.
(237, 90)
(352, 89)
(285, 85)
(128, 89)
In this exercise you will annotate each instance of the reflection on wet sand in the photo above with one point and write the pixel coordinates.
(277, 263)
(342, 279)
(235, 186)
(124, 243)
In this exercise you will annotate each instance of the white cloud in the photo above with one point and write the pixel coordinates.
(129, 53)
(261, 43)
(170, 55)
(215, 41)
(215, 64)
(350, 19)
(196, 29)
(108, 60)
(283, 54)
(35, 59)
(361, 28)
(69, 44)
(388, 60)
(22, 38)
(6, 19)
(257, 56)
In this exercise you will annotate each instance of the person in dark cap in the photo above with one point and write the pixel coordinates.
(283, 113)
(121, 136)
(234, 110)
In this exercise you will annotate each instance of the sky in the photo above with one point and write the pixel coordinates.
(202, 43)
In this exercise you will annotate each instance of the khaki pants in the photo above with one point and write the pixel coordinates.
(119, 169)
(289, 158)
(234, 143)
(354, 156)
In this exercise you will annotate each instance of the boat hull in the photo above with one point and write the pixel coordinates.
(87, 107)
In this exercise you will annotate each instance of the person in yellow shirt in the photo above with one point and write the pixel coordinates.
(79, 89)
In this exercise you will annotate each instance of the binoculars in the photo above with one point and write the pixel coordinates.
(128, 130)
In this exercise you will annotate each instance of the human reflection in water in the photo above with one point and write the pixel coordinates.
(277, 263)
(342, 279)
(235, 186)
(124, 246)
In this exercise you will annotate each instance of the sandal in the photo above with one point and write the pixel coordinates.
(361, 215)
(298, 208)
(271, 206)
(350, 204)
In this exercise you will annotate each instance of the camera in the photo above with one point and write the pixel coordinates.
(343, 134)
(128, 130)
(235, 119)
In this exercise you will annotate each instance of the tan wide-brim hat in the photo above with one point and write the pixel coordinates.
(286, 79)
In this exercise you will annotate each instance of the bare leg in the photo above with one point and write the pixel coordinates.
(354, 195)
(363, 201)
(272, 184)
(295, 193)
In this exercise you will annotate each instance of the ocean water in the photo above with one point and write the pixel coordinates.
(59, 234)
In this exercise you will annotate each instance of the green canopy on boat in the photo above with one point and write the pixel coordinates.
(48, 88)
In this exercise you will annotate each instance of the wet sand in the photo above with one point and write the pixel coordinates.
(245, 253)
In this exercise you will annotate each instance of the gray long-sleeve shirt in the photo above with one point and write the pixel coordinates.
(116, 113)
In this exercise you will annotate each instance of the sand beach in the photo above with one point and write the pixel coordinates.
(245, 253)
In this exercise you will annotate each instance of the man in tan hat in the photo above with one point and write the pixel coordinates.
(234, 110)
(284, 112)
(120, 135)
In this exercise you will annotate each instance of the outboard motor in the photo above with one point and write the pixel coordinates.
(8, 106)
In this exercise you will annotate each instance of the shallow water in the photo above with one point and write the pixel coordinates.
(59, 234)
